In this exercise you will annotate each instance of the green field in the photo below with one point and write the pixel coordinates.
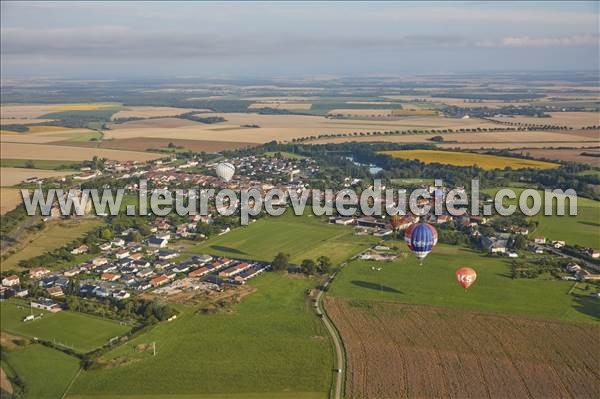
(38, 164)
(284, 154)
(54, 235)
(582, 229)
(45, 372)
(484, 161)
(79, 331)
(434, 283)
(302, 237)
(271, 345)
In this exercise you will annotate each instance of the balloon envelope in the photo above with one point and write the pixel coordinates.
(466, 276)
(225, 171)
(421, 238)
(395, 221)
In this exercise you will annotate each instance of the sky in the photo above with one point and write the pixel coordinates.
(285, 39)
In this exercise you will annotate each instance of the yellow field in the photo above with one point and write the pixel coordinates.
(9, 199)
(13, 176)
(55, 235)
(468, 159)
(68, 153)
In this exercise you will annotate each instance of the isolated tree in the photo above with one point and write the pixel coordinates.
(308, 266)
(281, 262)
(323, 265)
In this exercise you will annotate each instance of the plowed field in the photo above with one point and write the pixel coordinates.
(396, 350)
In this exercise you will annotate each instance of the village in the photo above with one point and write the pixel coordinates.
(145, 258)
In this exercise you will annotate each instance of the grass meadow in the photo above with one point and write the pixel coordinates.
(45, 372)
(484, 161)
(55, 235)
(302, 237)
(80, 331)
(434, 283)
(270, 345)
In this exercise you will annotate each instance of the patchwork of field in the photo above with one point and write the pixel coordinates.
(55, 235)
(277, 127)
(484, 161)
(301, 237)
(33, 111)
(576, 120)
(152, 112)
(395, 350)
(10, 198)
(81, 332)
(14, 176)
(270, 345)
(564, 154)
(54, 152)
(45, 372)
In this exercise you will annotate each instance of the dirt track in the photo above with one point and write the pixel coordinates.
(395, 350)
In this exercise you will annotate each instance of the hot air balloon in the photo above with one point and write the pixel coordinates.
(225, 171)
(421, 239)
(395, 221)
(466, 276)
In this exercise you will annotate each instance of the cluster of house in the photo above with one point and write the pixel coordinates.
(11, 286)
(579, 273)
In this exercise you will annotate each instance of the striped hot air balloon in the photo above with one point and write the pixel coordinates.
(421, 238)
(225, 171)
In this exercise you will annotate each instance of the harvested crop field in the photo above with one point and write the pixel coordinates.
(9, 199)
(369, 113)
(515, 140)
(484, 161)
(13, 176)
(54, 152)
(395, 350)
(281, 105)
(152, 112)
(46, 134)
(572, 119)
(30, 111)
(136, 144)
(22, 121)
(564, 154)
(278, 127)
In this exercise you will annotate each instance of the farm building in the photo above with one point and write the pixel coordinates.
(46, 304)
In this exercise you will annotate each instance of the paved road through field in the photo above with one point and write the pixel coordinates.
(340, 365)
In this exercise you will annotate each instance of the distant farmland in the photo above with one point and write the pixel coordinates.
(468, 159)
(54, 152)
(396, 350)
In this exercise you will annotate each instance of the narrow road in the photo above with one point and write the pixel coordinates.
(340, 366)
